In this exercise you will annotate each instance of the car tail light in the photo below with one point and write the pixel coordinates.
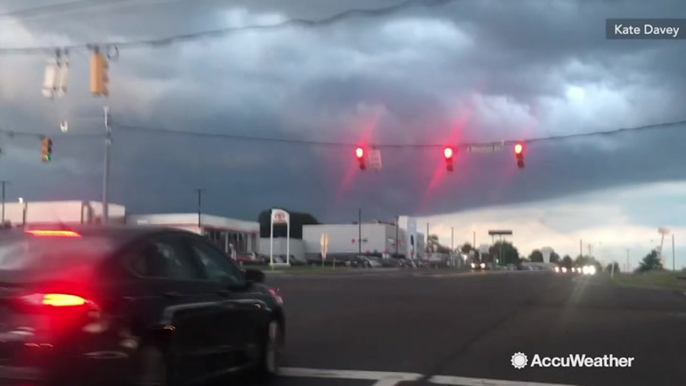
(52, 233)
(38, 302)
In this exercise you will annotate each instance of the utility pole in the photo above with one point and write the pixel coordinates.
(426, 246)
(106, 171)
(397, 230)
(581, 248)
(3, 200)
(474, 240)
(452, 238)
(199, 190)
(359, 231)
(627, 261)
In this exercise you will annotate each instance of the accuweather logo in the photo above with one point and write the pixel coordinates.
(520, 360)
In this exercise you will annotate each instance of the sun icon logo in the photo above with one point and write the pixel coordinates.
(519, 360)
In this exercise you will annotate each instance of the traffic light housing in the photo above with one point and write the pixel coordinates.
(99, 74)
(448, 154)
(46, 149)
(360, 155)
(519, 154)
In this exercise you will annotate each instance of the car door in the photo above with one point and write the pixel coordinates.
(244, 311)
(184, 302)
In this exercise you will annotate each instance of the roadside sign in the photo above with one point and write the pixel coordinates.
(374, 159)
(279, 216)
(492, 148)
(324, 241)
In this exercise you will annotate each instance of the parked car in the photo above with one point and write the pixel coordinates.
(371, 262)
(128, 305)
(250, 258)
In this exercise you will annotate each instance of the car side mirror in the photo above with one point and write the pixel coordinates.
(254, 276)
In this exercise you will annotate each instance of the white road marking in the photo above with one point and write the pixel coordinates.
(462, 381)
(383, 378)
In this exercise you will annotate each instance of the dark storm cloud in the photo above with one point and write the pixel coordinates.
(408, 78)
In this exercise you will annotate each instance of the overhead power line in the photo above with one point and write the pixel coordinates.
(306, 23)
(12, 133)
(57, 8)
(238, 137)
(77, 6)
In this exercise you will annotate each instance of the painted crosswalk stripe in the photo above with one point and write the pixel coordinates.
(463, 381)
(386, 378)
(382, 378)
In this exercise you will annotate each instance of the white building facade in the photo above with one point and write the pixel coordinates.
(231, 235)
(34, 213)
(377, 238)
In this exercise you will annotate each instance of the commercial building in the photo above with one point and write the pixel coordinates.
(377, 237)
(231, 235)
(33, 213)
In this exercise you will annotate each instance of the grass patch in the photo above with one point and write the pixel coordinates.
(661, 279)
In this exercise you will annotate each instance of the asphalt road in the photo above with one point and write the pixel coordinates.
(400, 325)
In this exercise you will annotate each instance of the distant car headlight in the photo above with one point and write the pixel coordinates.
(564, 269)
(591, 270)
(557, 269)
(483, 265)
(473, 265)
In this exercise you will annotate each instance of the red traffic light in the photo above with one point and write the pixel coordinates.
(518, 148)
(519, 154)
(359, 152)
(448, 153)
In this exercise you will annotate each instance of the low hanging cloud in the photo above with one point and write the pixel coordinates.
(462, 72)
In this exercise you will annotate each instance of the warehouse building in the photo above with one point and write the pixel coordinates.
(377, 238)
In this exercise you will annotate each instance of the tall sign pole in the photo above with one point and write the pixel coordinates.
(279, 216)
(500, 233)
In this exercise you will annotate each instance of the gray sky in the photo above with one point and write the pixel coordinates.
(464, 72)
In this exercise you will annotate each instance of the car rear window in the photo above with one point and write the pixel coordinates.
(32, 253)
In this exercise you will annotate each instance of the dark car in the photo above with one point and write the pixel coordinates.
(120, 306)
(477, 265)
